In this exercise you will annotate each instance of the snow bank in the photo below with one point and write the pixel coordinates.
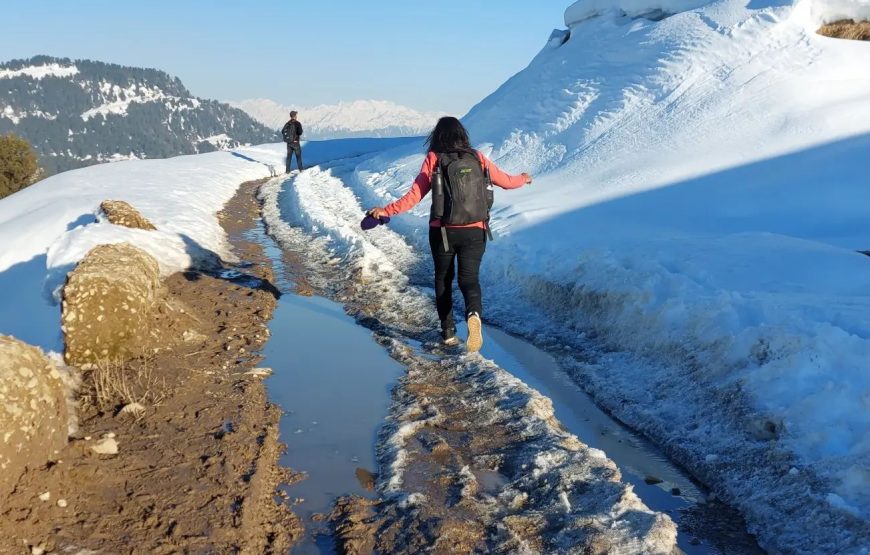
(828, 11)
(700, 196)
(584, 9)
(48, 227)
(180, 196)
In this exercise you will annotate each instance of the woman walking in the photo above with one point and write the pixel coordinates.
(460, 179)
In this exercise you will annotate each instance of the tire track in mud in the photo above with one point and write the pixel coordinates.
(471, 458)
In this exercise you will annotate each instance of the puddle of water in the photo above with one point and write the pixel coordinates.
(334, 383)
(638, 459)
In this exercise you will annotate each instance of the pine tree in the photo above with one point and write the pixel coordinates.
(18, 165)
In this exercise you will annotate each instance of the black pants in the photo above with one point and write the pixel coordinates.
(467, 246)
(291, 148)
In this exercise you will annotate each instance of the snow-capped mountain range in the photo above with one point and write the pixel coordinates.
(360, 118)
(82, 112)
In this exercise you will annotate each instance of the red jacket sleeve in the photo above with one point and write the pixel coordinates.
(420, 188)
(500, 178)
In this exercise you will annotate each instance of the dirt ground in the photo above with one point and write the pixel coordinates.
(846, 29)
(196, 470)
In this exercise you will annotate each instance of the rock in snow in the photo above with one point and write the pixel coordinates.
(120, 212)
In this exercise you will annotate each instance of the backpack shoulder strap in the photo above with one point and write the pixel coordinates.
(480, 159)
(488, 180)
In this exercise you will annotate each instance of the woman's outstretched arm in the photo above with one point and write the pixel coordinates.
(419, 189)
(502, 179)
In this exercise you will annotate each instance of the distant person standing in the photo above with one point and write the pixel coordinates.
(291, 132)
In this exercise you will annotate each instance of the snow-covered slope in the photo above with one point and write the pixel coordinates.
(360, 118)
(701, 194)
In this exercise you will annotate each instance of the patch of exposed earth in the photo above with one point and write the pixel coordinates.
(193, 468)
(846, 29)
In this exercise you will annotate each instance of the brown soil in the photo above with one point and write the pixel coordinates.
(846, 29)
(197, 471)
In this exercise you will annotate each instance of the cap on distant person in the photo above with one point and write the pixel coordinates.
(293, 113)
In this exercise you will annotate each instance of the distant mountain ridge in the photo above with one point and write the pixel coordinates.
(82, 112)
(359, 118)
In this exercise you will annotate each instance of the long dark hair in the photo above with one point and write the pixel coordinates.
(448, 135)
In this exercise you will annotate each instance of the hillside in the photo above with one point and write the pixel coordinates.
(82, 112)
(360, 118)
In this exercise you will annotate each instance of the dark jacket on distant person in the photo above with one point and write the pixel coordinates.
(291, 132)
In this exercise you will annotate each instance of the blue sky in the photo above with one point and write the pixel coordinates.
(442, 56)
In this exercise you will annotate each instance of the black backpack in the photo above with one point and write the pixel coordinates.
(467, 191)
(289, 132)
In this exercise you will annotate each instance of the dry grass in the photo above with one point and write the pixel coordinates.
(846, 29)
(113, 384)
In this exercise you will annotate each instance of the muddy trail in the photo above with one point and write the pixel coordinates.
(412, 447)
